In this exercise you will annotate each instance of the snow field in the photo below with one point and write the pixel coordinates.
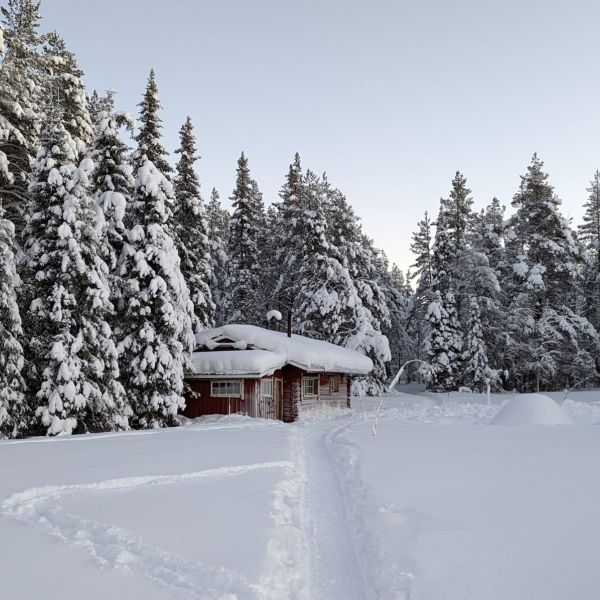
(478, 512)
(223, 531)
(438, 506)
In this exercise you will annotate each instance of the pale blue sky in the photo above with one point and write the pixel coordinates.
(389, 97)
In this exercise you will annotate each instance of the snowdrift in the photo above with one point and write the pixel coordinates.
(531, 409)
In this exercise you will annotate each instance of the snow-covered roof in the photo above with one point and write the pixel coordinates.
(264, 350)
(237, 362)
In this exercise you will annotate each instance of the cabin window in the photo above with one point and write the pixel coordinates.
(227, 389)
(334, 385)
(310, 386)
(266, 388)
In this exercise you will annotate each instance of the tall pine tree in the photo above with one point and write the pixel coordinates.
(477, 373)
(288, 235)
(444, 344)
(550, 344)
(74, 371)
(148, 138)
(589, 233)
(157, 317)
(218, 233)
(112, 183)
(20, 82)
(64, 85)
(191, 229)
(245, 299)
(14, 411)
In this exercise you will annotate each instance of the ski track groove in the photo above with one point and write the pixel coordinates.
(334, 567)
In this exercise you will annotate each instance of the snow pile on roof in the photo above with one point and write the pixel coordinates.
(237, 362)
(300, 351)
(531, 409)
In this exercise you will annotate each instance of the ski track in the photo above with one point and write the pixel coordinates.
(121, 549)
(383, 579)
(323, 546)
(335, 572)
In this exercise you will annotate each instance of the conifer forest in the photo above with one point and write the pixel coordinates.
(113, 256)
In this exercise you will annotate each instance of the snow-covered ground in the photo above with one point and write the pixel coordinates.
(440, 505)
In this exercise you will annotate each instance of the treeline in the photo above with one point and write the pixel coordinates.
(110, 260)
(511, 303)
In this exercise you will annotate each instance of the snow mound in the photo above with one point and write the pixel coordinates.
(531, 409)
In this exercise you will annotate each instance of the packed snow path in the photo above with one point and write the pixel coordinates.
(335, 571)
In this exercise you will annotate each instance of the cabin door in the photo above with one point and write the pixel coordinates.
(278, 398)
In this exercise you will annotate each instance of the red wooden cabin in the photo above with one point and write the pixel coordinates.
(264, 373)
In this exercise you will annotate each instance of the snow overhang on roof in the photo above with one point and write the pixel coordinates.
(234, 363)
(307, 354)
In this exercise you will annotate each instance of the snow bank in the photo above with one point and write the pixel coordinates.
(300, 351)
(531, 409)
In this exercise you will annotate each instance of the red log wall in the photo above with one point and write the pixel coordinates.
(254, 406)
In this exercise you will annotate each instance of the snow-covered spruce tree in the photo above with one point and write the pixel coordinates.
(73, 359)
(444, 344)
(20, 77)
(492, 231)
(97, 104)
(327, 305)
(157, 313)
(397, 296)
(14, 411)
(477, 373)
(148, 137)
(288, 236)
(482, 279)
(421, 248)
(443, 256)
(218, 218)
(325, 299)
(589, 234)
(551, 345)
(245, 299)
(452, 255)
(156, 328)
(269, 248)
(191, 229)
(356, 253)
(457, 209)
(365, 277)
(112, 184)
(452, 258)
(422, 274)
(64, 84)
(218, 232)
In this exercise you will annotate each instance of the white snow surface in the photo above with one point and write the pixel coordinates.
(274, 314)
(237, 362)
(531, 409)
(298, 350)
(438, 506)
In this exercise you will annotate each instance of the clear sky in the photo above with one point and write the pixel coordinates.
(389, 97)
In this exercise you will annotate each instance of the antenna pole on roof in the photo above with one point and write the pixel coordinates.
(289, 328)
